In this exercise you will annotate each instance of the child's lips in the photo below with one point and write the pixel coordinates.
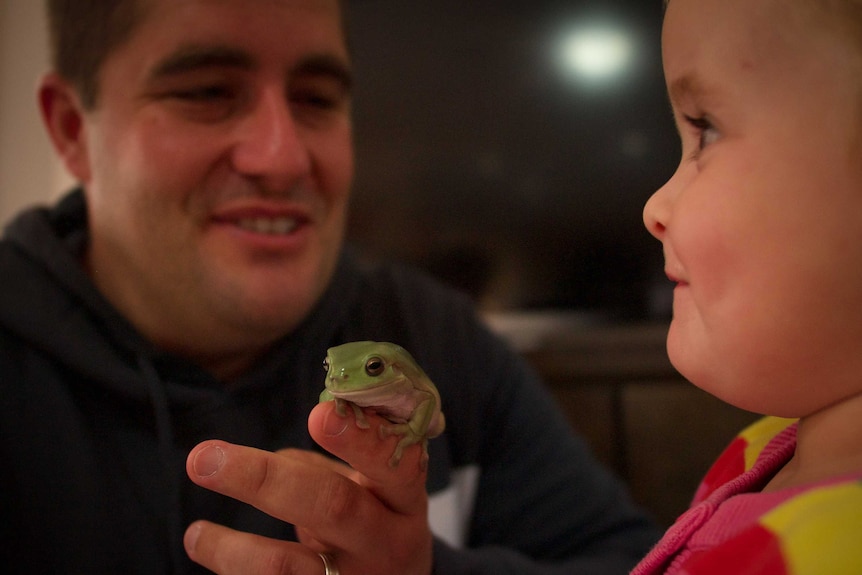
(675, 278)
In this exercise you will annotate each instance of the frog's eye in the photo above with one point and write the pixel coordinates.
(374, 366)
(326, 365)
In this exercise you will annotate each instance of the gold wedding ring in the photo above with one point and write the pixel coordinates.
(329, 567)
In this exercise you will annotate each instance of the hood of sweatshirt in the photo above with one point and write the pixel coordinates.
(54, 306)
(50, 304)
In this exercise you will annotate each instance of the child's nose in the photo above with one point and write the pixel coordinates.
(652, 220)
(658, 208)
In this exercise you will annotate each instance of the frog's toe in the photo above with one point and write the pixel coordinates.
(359, 417)
(396, 456)
(400, 429)
(386, 430)
(340, 408)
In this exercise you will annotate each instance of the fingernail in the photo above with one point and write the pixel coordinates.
(208, 461)
(190, 541)
(334, 425)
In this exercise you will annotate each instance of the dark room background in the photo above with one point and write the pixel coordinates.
(508, 148)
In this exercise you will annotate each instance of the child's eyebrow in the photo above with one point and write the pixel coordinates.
(688, 87)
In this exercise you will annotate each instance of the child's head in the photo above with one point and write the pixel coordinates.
(762, 222)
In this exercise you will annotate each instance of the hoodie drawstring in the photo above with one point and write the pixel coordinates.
(165, 433)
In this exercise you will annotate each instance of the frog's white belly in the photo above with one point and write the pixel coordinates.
(396, 400)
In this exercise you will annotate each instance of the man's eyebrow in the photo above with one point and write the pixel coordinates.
(325, 65)
(191, 58)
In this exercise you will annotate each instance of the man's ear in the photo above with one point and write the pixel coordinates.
(63, 116)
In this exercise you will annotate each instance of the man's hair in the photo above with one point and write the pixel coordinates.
(83, 33)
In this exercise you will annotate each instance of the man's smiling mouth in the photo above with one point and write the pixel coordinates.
(269, 226)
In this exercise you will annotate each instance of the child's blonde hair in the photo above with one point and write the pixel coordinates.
(846, 14)
(850, 12)
(842, 16)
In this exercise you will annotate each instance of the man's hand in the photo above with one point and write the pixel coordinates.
(370, 518)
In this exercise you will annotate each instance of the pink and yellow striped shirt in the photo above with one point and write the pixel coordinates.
(732, 528)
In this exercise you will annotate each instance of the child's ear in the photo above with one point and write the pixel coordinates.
(63, 116)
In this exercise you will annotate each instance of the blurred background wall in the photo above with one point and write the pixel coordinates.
(507, 148)
(29, 171)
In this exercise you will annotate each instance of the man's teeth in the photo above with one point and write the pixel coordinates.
(275, 226)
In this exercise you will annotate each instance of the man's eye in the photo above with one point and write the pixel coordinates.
(319, 100)
(205, 103)
(319, 93)
(203, 94)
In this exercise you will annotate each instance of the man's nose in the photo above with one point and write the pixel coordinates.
(270, 145)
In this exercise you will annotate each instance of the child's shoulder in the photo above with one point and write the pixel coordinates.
(815, 516)
(815, 532)
(744, 451)
(760, 433)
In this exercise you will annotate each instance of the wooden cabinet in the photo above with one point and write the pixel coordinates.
(659, 432)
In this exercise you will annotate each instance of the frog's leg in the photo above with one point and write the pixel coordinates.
(406, 441)
(414, 430)
(359, 415)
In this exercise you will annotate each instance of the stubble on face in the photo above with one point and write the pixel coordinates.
(193, 283)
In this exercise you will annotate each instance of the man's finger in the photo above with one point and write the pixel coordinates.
(401, 488)
(302, 490)
(228, 552)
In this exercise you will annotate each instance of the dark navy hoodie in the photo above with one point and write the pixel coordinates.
(96, 424)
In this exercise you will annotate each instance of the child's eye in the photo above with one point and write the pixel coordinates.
(707, 133)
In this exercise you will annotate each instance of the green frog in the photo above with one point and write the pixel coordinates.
(384, 378)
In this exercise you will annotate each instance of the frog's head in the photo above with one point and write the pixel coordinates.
(360, 365)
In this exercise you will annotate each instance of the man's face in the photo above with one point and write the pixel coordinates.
(219, 163)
